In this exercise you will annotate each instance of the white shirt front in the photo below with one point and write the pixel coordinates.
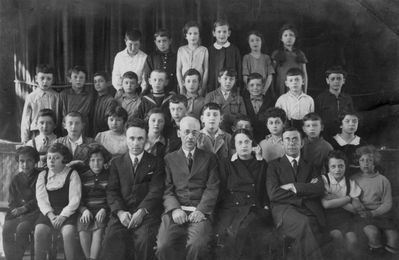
(296, 107)
(75, 144)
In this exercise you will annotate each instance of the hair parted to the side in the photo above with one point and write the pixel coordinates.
(29, 151)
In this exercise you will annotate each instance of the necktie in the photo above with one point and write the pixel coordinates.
(295, 166)
(190, 160)
(135, 162)
(45, 141)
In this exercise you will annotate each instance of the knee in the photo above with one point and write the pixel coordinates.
(68, 232)
(24, 229)
(371, 231)
(42, 231)
(351, 238)
(198, 243)
(336, 234)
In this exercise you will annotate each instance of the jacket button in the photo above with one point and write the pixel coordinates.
(253, 205)
(237, 203)
(248, 196)
(253, 185)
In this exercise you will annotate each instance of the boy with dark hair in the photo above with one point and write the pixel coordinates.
(332, 102)
(79, 98)
(130, 59)
(192, 82)
(42, 97)
(162, 58)
(128, 97)
(178, 110)
(103, 102)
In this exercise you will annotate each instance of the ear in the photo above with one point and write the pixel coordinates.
(328, 81)
(228, 33)
(178, 133)
(213, 33)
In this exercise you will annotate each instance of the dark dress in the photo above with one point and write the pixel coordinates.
(244, 224)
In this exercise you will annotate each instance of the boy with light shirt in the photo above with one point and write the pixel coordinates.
(332, 102)
(222, 54)
(130, 59)
(315, 148)
(42, 97)
(192, 82)
(231, 103)
(162, 58)
(158, 97)
(129, 95)
(79, 98)
(295, 103)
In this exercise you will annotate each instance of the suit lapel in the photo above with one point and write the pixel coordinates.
(197, 162)
(126, 169)
(303, 171)
(181, 157)
(219, 142)
(287, 167)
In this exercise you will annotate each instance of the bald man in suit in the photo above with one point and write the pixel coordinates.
(191, 191)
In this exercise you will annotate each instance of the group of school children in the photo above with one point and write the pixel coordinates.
(71, 137)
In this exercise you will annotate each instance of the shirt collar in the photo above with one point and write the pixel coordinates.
(257, 98)
(333, 181)
(77, 142)
(298, 97)
(342, 142)
(218, 47)
(219, 132)
(235, 157)
(186, 152)
(290, 158)
(126, 96)
(127, 54)
(139, 157)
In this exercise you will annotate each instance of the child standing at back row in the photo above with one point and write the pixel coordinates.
(192, 56)
(257, 62)
(295, 103)
(222, 54)
(42, 97)
(231, 103)
(288, 56)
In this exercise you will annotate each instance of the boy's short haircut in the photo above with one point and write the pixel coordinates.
(220, 22)
(335, 70)
(369, 149)
(290, 27)
(228, 71)
(211, 106)
(76, 69)
(117, 111)
(98, 148)
(47, 112)
(103, 74)
(178, 98)
(253, 76)
(154, 110)
(137, 122)
(162, 33)
(241, 131)
(73, 114)
(336, 154)
(242, 118)
(292, 129)
(295, 72)
(191, 72)
(188, 25)
(133, 35)
(61, 149)
(312, 117)
(130, 75)
(29, 151)
(44, 68)
(160, 71)
(276, 112)
(257, 33)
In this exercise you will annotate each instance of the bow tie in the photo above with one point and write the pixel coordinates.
(256, 99)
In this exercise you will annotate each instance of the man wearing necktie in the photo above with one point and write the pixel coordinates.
(134, 195)
(295, 189)
(191, 191)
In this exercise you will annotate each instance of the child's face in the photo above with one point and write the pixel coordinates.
(73, 125)
(177, 111)
(366, 163)
(133, 47)
(275, 125)
(44, 80)
(242, 124)
(221, 33)
(78, 79)
(312, 128)
(211, 118)
(46, 125)
(337, 168)
(100, 84)
(26, 163)
(163, 43)
(350, 124)
(191, 83)
(255, 87)
(96, 163)
(255, 43)
(158, 81)
(288, 38)
(192, 35)
(156, 123)
(226, 82)
(243, 144)
(294, 83)
(115, 123)
(55, 162)
(129, 85)
(335, 82)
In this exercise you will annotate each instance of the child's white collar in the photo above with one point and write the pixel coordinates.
(218, 46)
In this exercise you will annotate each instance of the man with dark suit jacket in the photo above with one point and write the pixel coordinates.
(294, 190)
(134, 195)
(191, 191)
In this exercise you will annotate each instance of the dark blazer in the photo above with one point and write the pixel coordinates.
(142, 189)
(198, 188)
(280, 172)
